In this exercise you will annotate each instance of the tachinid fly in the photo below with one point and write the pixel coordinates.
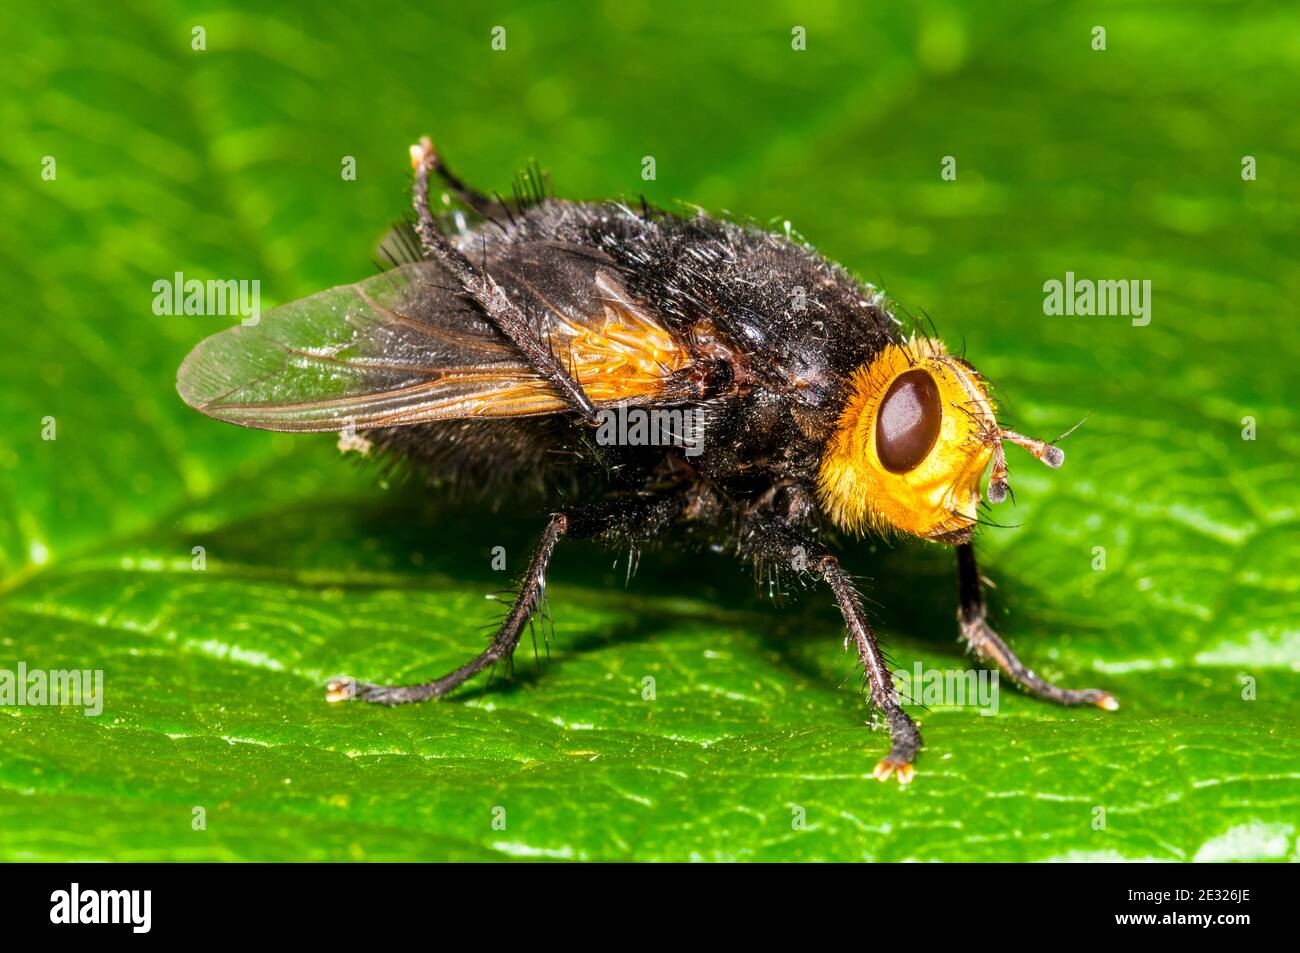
(784, 398)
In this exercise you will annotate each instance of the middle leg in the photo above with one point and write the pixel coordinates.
(773, 541)
(904, 736)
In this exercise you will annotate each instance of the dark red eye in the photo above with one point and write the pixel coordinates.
(908, 423)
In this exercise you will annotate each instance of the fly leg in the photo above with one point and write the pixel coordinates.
(627, 520)
(426, 151)
(988, 646)
(773, 542)
(532, 591)
(904, 737)
(483, 290)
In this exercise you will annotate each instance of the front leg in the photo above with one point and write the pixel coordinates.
(772, 540)
(989, 646)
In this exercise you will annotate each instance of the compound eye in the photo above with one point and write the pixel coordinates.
(908, 422)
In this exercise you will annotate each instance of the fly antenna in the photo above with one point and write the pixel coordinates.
(1048, 453)
(1073, 429)
(998, 475)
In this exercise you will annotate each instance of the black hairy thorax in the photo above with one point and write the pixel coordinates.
(771, 332)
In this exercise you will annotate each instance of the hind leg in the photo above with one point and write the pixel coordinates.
(426, 151)
(633, 521)
(532, 591)
(483, 290)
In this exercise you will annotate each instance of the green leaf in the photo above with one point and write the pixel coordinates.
(225, 163)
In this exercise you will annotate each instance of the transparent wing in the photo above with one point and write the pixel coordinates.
(404, 347)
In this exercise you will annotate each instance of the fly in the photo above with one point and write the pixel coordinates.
(671, 374)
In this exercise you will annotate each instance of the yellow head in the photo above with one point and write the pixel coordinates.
(913, 440)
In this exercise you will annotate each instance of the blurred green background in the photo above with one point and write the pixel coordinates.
(226, 162)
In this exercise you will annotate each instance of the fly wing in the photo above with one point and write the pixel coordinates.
(405, 347)
(616, 347)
